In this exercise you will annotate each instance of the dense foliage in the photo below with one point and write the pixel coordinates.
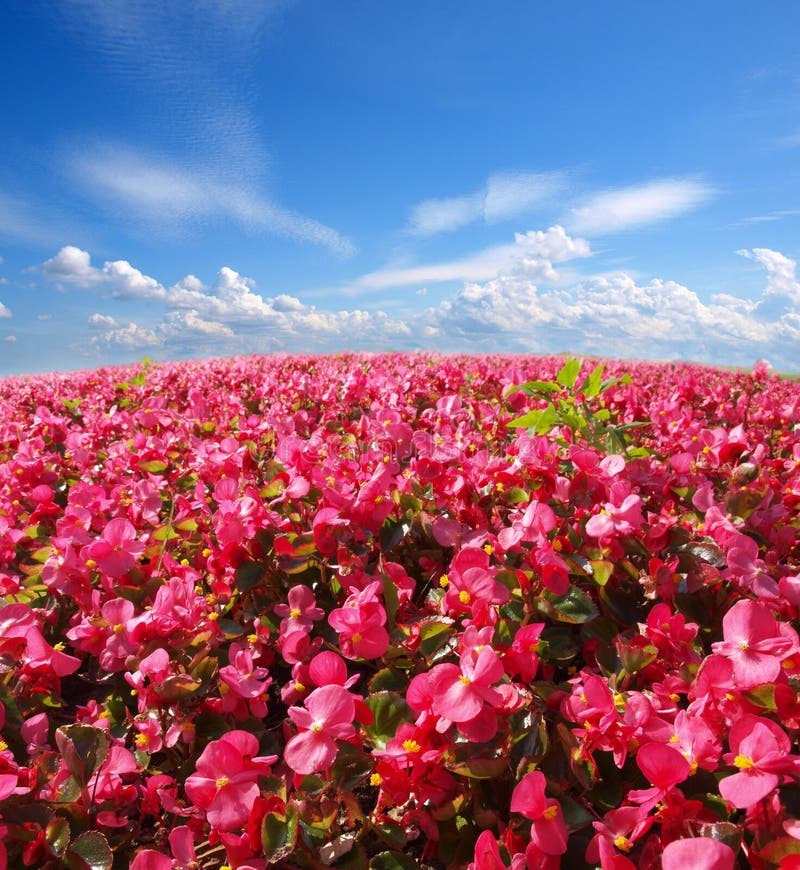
(395, 611)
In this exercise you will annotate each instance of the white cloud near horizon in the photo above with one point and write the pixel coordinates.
(505, 195)
(533, 253)
(627, 208)
(613, 315)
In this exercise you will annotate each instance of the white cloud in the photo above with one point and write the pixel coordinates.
(532, 253)
(782, 293)
(4, 311)
(44, 316)
(504, 196)
(10, 338)
(776, 215)
(194, 61)
(73, 266)
(616, 316)
(29, 224)
(617, 210)
(130, 336)
(189, 322)
(791, 141)
(613, 314)
(159, 192)
(103, 321)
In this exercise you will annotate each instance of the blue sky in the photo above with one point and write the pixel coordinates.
(208, 178)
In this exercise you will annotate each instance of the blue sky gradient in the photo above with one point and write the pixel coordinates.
(189, 179)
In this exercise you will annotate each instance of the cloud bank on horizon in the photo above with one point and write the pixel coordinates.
(391, 181)
(607, 315)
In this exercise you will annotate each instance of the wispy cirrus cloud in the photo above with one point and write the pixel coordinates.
(25, 221)
(193, 57)
(192, 60)
(505, 195)
(162, 192)
(627, 208)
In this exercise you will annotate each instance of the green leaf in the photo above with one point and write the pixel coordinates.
(392, 832)
(763, 696)
(574, 607)
(279, 834)
(152, 466)
(569, 373)
(480, 768)
(230, 628)
(83, 748)
(601, 571)
(90, 851)
(591, 385)
(57, 834)
(248, 575)
(434, 634)
(515, 495)
(535, 388)
(392, 861)
(387, 680)
(187, 525)
(779, 849)
(390, 599)
(392, 534)
(390, 710)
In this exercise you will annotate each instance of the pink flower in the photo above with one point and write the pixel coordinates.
(617, 517)
(548, 831)
(760, 752)
(665, 767)
(117, 551)
(698, 853)
(225, 782)
(753, 643)
(327, 717)
(459, 691)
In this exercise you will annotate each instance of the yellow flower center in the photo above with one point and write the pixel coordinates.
(550, 813)
(463, 596)
(411, 746)
(743, 762)
(119, 628)
(444, 581)
(465, 680)
(141, 740)
(375, 779)
(357, 638)
(222, 782)
(316, 727)
(623, 843)
(295, 613)
(299, 687)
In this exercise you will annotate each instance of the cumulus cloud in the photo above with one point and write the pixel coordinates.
(103, 321)
(532, 253)
(72, 266)
(4, 311)
(613, 315)
(130, 336)
(609, 315)
(504, 196)
(626, 208)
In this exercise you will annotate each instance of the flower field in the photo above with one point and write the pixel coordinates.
(397, 611)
